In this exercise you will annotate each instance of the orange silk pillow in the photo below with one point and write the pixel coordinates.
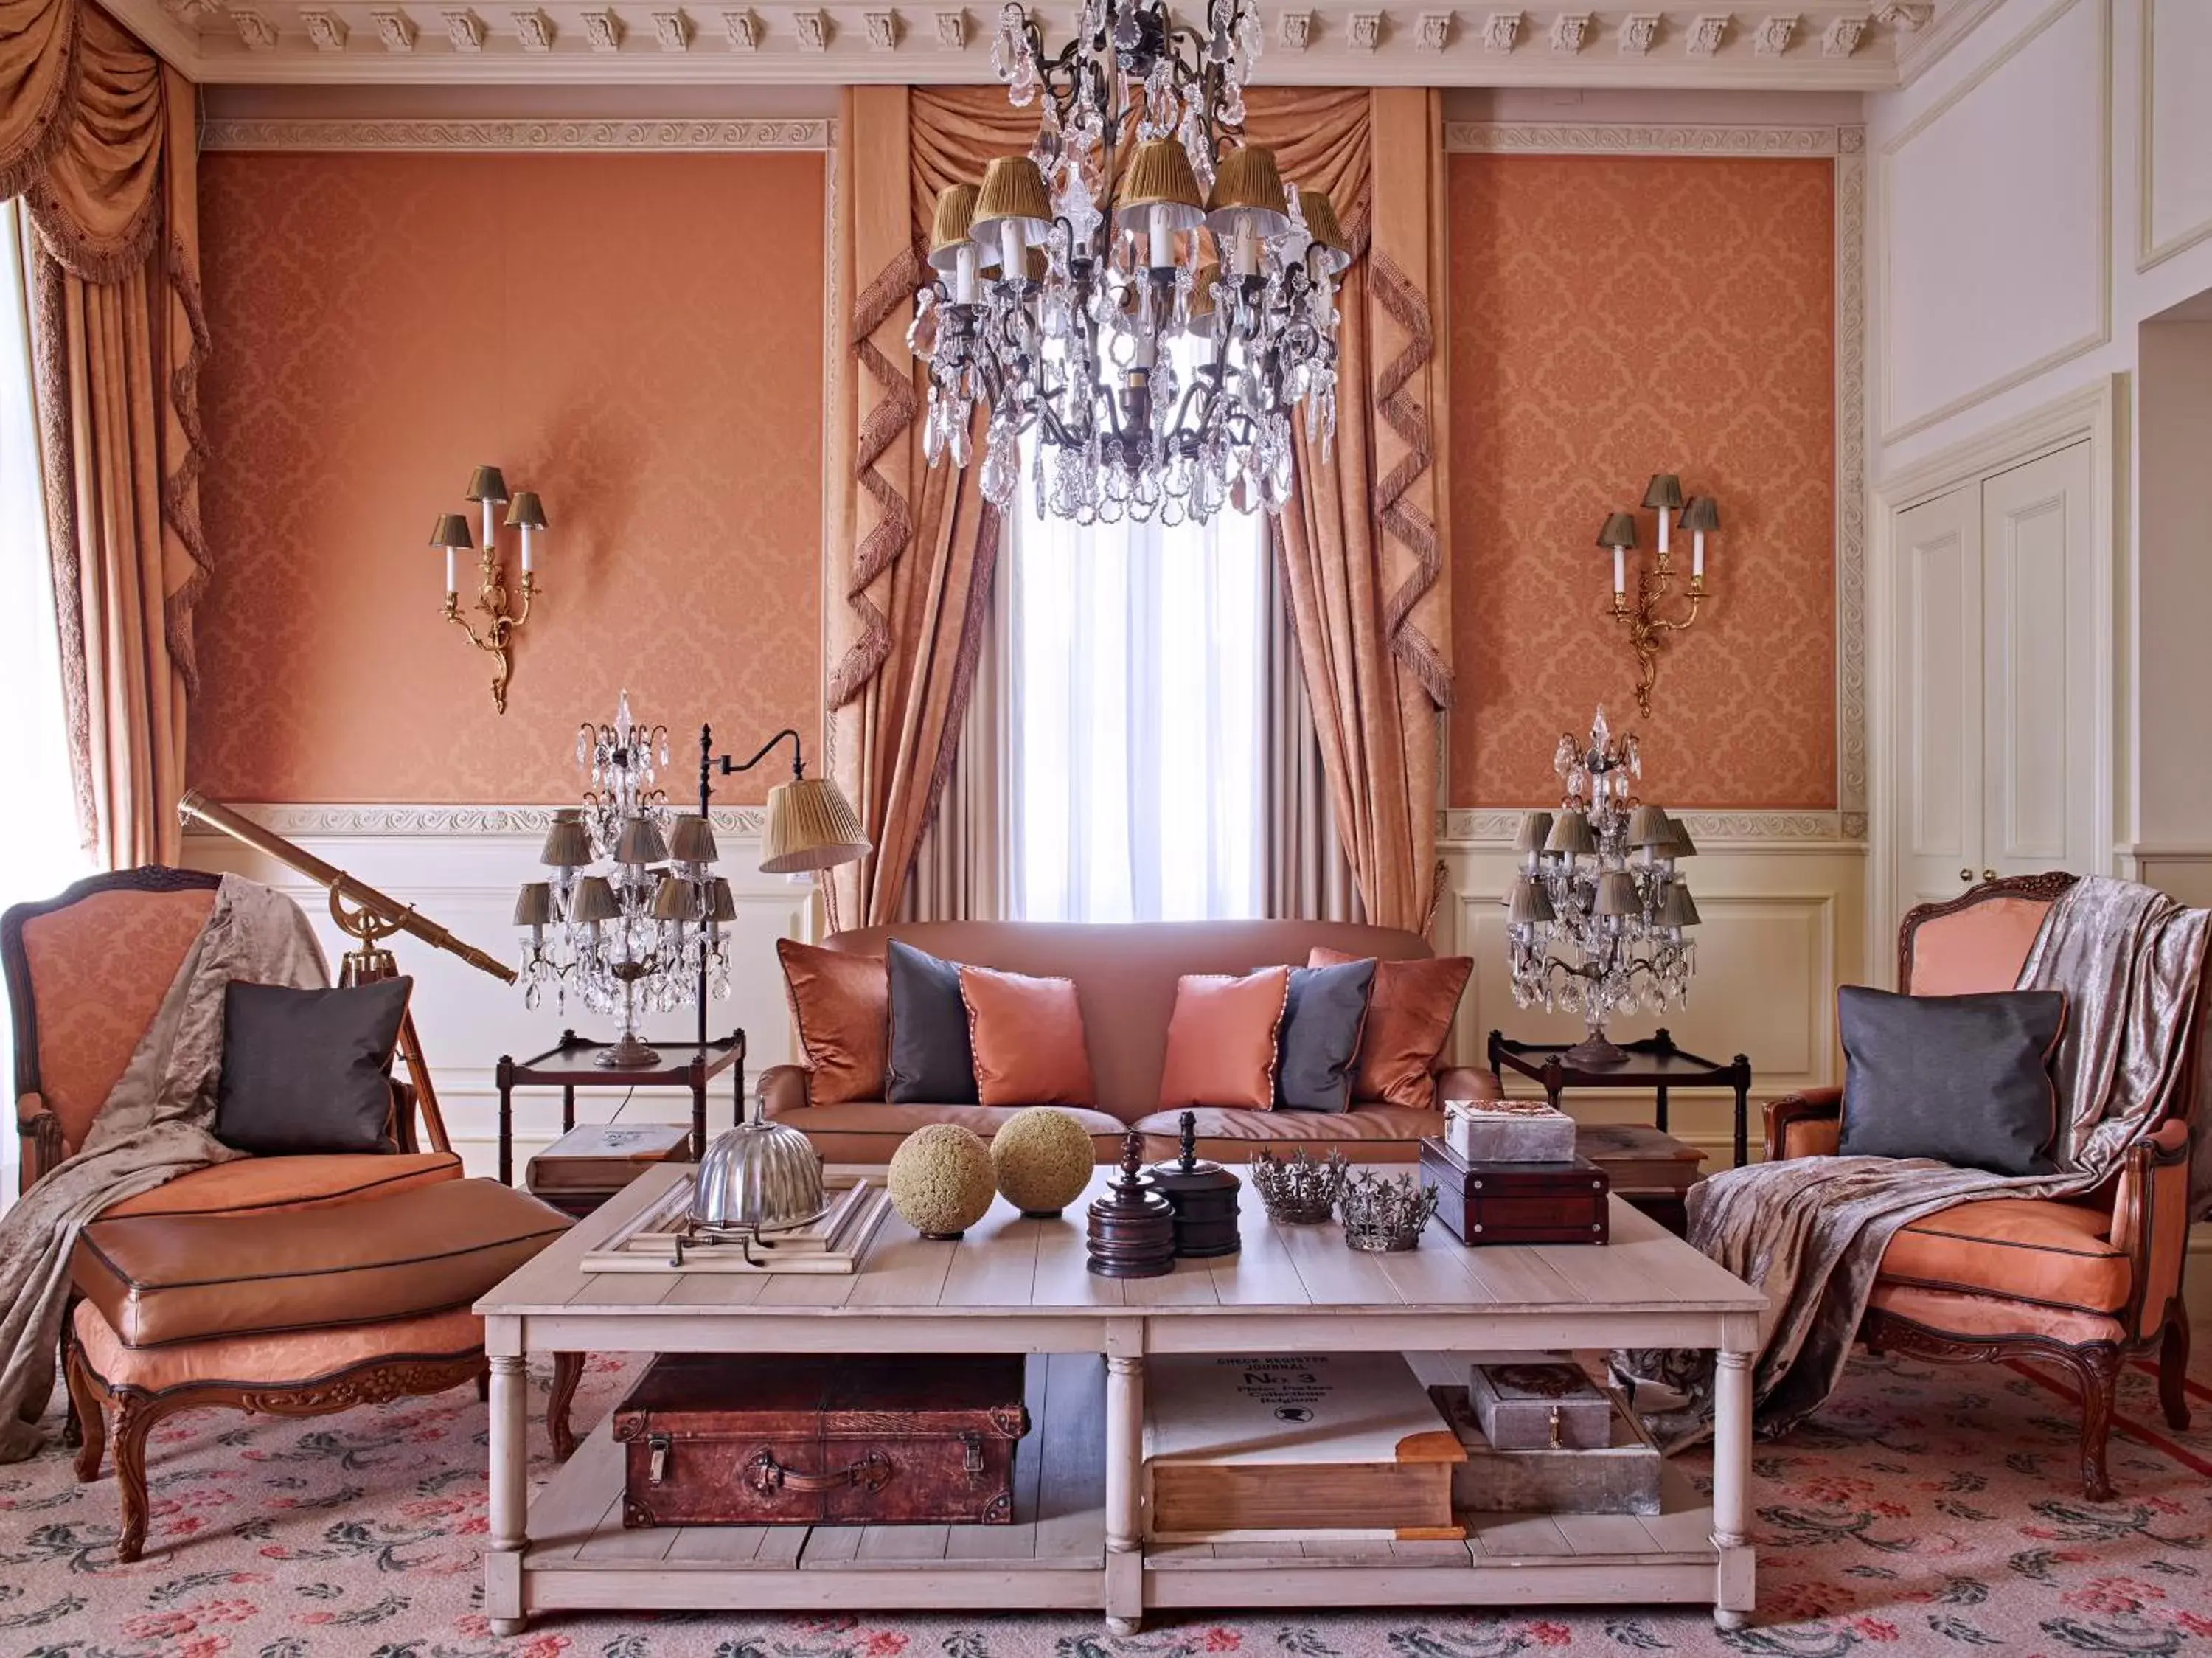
(1027, 1035)
(842, 1005)
(1221, 1040)
(1409, 1015)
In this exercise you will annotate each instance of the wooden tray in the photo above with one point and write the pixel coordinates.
(655, 1239)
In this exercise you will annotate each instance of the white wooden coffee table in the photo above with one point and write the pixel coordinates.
(1078, 1540)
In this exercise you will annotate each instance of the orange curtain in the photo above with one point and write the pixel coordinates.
(96, 134)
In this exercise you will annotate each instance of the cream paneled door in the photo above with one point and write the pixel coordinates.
(1995, 718)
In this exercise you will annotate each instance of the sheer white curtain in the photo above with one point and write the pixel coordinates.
(1139, 718)
(40, 853)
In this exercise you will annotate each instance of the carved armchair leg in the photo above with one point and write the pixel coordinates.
(568, 1371)
(2174, 1366)
(86, 1409)
(2098, 1368)
(134, 1419)
(72, 1423)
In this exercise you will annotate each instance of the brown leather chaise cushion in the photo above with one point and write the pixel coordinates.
(159, 1278)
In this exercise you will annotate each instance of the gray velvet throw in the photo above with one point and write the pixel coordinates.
(1811, 1231)
(153, 1128)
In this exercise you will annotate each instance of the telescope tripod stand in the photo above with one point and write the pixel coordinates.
(369, 963)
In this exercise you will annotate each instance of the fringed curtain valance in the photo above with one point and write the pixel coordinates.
(96, 135)
(912, 550)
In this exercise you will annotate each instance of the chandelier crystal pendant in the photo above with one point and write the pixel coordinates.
(1150, 324)
(1595, 923)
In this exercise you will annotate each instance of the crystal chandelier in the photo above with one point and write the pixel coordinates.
(1594, 923)
(1081, 305)
(648, 936)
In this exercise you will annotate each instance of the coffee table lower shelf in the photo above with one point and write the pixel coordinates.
(1053, 1557)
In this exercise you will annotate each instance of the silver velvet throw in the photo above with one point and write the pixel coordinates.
(1811, 1231)
(153, 1127)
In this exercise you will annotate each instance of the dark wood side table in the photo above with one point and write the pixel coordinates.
(569, 1067)
(1654, 1063)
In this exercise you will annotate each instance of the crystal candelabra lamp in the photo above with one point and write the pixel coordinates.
(647, 936)
(1150, 320)
(1597, 922)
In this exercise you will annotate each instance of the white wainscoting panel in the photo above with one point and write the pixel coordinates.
(2175, 143)
(461, 869)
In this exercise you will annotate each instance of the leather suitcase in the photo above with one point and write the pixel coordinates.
(821, 1439)
(1516, 1202)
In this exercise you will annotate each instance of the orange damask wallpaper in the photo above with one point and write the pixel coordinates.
(637, 338)
(1612, 317)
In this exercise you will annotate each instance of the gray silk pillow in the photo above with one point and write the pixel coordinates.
(1963, 1079)
(308, 1071)
(1317, 1051)
(931, 1061)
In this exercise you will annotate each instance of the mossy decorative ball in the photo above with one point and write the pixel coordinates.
(1044, 1158)
(940, 1180)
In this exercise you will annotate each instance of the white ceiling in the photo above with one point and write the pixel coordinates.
(1789, 46)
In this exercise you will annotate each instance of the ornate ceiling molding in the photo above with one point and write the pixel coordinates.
(495, 136)
(1597, 139)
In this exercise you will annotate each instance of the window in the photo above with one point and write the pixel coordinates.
(1139, 718)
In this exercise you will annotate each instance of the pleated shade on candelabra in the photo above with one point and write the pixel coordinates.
(451, 530)
(1663, 493)
(691, 840)
(594, 900)
(1321, 225)
(1650, 826)
(810, 826)
(1616, 895)
(949, 230)
(675, 900)
(526, 511)
(1678, 908)
(641, 843)
(1619, 530)
(1201, 293)
(534, 904)
(1527, 904)
(1570, 835)
(1681, 846)
(721, 902)
(567, 843)
(1159, 176)
(1535, 829)
(486, 483)
(1246, 181)
(1012, 189)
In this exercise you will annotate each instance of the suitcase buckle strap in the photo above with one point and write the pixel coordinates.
(659, 1445)
(767, 1476)
(972, 1446)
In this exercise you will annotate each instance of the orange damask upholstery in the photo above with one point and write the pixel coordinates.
(267, 1185)
(2028, 1249)
(99, 969)
(1980, 949)
(282, 1360)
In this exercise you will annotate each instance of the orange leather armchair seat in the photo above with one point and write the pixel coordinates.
(2079, 1282)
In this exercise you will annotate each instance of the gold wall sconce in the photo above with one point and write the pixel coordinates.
(523, 513)
(1647, 628)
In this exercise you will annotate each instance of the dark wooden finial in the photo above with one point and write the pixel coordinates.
(1132, 1156)
(1189, 1139)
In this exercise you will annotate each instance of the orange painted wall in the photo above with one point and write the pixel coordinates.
(639, 339)
(1612, 317)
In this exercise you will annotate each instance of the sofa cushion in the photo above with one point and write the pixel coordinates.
(1963, 1080)
(283, 1359)
(159, 1278)
(1322, 1020)
(841, 1005)
(930, 1055)
(309, 1071)
(1221, 1040)
(1409, 1016)
(1028, 1038)
(868, 1131)
(263, 1183)
(1368, 1133)
(2023, 1248)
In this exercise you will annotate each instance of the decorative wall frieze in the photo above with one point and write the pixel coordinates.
(1773, 35)
(1432, 31)
(464, 30)
(1362, 31)
(1640, 33)
(1707, 35)
(254, 29)
(327, 30)
(952, 30)
(1494, 827)
(603, 31)
(1569, 30)
(297, 822)
(1501, 31)
(671, 30)
(1295, 30)
(743, 30)
(534, 30)
(1842, 37)
(395, 30)
(492, 136)
(1593, 138)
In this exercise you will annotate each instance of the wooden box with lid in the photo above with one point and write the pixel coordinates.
(1516, 1202)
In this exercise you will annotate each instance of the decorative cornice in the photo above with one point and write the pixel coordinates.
(494, 137)
(1551, 138)
(417, 821)
(1484, 825)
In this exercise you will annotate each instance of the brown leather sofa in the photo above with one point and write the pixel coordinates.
(2082, 1281)
(1125, 976)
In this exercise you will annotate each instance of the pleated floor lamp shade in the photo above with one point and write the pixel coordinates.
(810, 826)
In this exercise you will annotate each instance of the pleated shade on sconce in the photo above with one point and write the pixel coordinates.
(1700, 512)
(810, 826)
(452, 531)
(486, 483)
(1619, 531)
(526, 511)
(1663, 493)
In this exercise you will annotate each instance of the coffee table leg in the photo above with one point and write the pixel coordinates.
(508, 1494)
(1124, 1451)
(1735, 1594)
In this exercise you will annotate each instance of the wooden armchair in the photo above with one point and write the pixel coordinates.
(2080, 1281)
(86, 972)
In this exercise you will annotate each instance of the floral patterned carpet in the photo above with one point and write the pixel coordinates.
(1925, 1511)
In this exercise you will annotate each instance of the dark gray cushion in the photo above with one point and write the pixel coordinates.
(307, 1071)
(1318, 1043)
(1962, 1079)
(931, 1061)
